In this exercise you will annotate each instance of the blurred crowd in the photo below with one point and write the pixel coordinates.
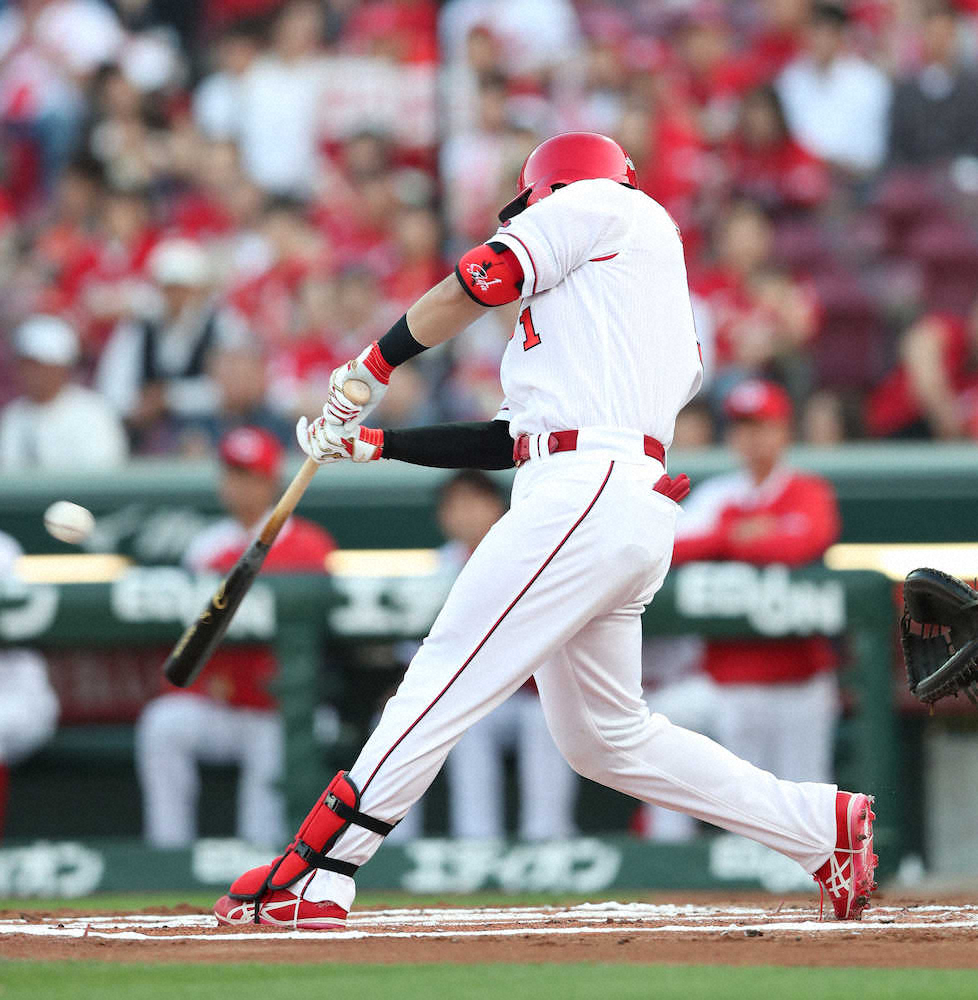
(205, 207)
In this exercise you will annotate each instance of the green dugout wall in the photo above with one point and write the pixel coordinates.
(146, 608)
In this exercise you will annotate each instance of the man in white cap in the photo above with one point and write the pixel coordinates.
(56, 423)
(154, 369)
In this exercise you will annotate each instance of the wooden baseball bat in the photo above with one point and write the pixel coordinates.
(198, 642)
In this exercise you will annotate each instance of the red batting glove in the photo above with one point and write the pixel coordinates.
(675, 489)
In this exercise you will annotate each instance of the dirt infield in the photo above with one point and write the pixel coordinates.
(936, 935)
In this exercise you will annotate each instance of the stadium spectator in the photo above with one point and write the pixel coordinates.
(934, 117)
(217, 99)
(280, 121)
(220, 208)
(56, 423)
(417, 262)
(763, 317)
(109, 283)
(714, 74)
(64, 247)
(478, 59)
(777, 34)
(128, 136)
(48, 51)
(469, 504)
(765, 164)
(836, 103)
(754, 696)
(29, 707)
(229, 715)
(154, 369)
(535, 37)
(299, 370)
(933, 391)
(334, 108)
(239, 372)
(290, 249)
(473, 162)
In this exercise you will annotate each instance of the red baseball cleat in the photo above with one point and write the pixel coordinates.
(847, 876)
(282, 908)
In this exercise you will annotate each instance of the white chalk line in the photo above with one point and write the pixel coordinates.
(616, 918)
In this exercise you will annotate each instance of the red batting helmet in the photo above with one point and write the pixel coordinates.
(572, 156)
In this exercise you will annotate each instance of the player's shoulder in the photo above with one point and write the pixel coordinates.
(301, 546)
(314, 535)
(80, 398)
(720, 488)
(804, 480)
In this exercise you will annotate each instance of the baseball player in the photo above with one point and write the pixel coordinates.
(602, 358)
(230, 714)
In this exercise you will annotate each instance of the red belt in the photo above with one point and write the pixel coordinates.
(567, 441)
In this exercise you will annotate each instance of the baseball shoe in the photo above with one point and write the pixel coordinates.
(282, 908)
(847, 876)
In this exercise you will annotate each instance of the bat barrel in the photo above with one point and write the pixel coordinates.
(198, 642)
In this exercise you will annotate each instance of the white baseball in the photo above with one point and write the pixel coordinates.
(69, 522)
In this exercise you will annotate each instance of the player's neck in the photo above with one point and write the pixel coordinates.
(760, 472)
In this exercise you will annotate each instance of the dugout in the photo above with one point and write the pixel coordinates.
(894, 494)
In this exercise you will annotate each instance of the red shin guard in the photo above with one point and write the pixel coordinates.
(336, 809)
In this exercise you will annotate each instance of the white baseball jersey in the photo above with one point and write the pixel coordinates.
(605, 336)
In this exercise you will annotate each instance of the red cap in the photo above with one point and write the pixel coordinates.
(758, 399)
(253, 449)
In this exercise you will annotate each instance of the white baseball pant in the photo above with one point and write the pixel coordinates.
(788, 729)
(28, 705)
(178, 732)
(556, 590)
(476, 779)
(547, 786)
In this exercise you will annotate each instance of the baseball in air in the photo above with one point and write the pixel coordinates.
(69, 522)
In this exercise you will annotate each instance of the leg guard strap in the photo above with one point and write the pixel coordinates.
(352, 815)
(316, 859)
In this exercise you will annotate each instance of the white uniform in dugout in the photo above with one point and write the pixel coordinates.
(604, 346)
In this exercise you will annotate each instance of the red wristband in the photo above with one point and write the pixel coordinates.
(376, 364)
(374, 436)
(368, 435)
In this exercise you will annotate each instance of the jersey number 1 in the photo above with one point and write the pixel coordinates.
(530, 337)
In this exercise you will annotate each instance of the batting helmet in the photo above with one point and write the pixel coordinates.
(572, 156)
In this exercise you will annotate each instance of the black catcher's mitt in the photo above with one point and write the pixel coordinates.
(939, 630)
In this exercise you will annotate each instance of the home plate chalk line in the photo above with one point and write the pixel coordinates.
(487, 922)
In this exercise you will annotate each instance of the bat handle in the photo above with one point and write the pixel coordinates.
(357, 392)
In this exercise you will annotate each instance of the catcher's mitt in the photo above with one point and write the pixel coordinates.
(939, 630)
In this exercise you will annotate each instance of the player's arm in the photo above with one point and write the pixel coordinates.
(699, 533)
(483, 445)
(795, 538)
(706, 547)
(487, 276)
